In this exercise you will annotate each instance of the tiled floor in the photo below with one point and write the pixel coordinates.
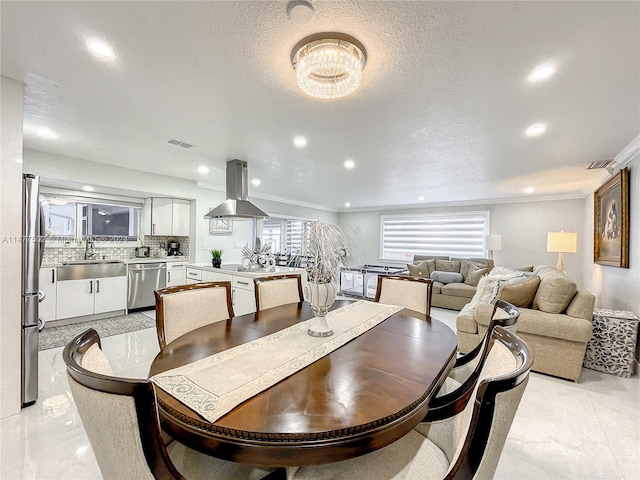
(589, 430)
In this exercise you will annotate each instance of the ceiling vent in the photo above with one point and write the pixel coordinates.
(601, 164)
(178, 143)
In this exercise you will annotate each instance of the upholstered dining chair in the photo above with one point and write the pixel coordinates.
(277, 290)
(413, 293)
(187, 307)
(120, 416)
(504, 315)
(464, 444)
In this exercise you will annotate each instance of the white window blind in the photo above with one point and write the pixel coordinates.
(454, 234)
(284, 235)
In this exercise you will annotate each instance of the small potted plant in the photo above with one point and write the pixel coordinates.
(216, 257)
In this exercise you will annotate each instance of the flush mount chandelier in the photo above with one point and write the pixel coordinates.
(328, 65)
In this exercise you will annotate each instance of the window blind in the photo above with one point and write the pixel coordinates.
(454, 234)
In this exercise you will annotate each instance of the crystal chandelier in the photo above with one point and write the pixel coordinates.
(328, 65)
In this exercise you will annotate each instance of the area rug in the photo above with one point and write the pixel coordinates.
(59, 336)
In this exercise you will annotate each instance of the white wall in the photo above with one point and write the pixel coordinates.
(523, 226)
(149, 184)
(11, 93)
(616, 288)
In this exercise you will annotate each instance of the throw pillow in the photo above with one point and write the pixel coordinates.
(555, 293)
(422, 269)
(448, 266)
(465, 265)
(520, 294)
(447, 277)
(474, 275)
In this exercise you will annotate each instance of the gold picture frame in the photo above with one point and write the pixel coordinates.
(611, 221)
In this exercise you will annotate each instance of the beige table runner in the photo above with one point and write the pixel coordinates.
(215, 385)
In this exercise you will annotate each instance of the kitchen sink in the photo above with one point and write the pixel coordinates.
(91, 262)
(89, 269)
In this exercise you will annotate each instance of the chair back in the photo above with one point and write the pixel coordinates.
(119, 415)
(473, 437)
(413, 293)
(187, 307)
(277, 290)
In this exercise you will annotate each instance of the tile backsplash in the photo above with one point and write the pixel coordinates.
(73, 252)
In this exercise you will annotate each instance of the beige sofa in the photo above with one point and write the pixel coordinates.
(556, 326)
(454, 295)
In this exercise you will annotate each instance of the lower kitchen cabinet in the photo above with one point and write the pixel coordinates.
(76, 298)
(48, 284)
(176, 274)
(244, 300)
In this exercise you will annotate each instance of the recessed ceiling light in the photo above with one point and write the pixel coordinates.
(541, 73)
(349, 164)
(529, 190)
(88, 188)
(203, 169)
(300, 142)
(421, 198)
(256, 181)
(536, 129)
(46, 132)
(347, 204)
(18, 160)
(81, 450)
(100, 49)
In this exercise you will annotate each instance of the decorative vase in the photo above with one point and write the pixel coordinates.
(216, 262)
(321, 296)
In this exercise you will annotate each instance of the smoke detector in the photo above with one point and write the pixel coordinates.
(300, 12)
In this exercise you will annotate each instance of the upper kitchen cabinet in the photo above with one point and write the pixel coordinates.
(166, 217)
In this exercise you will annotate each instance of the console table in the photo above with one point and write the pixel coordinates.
(354, 280)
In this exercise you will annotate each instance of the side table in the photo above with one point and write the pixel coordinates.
(612, 348)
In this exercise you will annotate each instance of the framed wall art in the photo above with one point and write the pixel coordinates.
(220, 226)
(611, 222)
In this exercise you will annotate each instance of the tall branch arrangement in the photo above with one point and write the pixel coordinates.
(329, 248)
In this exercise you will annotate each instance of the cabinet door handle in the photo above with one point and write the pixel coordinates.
(169, 277)
(53, 275)
(97, 286)
(90, 286)
(153, 229)
(242, 283)
(193, 274)
(233, 297)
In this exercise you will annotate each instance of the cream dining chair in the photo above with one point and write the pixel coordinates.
(413, 293)
(277, 290)
(120, 417)
(187, 307)
(462, 444)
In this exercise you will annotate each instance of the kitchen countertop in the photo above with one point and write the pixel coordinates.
(127, 261)
(247, 273)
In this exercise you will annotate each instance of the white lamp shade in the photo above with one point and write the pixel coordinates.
(493, 242)
(562, 242)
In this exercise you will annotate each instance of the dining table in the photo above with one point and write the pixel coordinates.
(360, 397)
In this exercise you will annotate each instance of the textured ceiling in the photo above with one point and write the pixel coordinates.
(441, 111)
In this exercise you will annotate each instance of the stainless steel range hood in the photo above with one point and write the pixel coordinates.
(236, 205)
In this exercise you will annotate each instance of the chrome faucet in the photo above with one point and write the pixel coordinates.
(88, 254)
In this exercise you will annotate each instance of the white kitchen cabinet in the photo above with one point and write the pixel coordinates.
(176, 274)
(194, 275)
(77, 298)
(243, 295)
(48, 284)
(110, 294)
(208, 276)
(166, 217)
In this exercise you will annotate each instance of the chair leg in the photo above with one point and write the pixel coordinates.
(277, 474)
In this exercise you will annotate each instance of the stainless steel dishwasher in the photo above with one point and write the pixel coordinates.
(144, 278)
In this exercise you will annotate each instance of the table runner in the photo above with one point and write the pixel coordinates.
(215, 385)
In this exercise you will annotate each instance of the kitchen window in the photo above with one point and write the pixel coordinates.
(457, 234)
(72, 219)
(284, 234)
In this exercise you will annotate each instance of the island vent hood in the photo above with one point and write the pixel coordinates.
(236, 205)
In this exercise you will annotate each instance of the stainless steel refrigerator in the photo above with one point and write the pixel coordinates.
(32, 252)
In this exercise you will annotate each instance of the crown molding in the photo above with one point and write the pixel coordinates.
(628, 153)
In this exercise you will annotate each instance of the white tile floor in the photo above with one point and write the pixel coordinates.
(589, 430)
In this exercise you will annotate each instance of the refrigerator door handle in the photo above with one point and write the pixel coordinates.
(41, 296)
(41, 323)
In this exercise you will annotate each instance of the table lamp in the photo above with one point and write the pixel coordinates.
(492, 242)
(562, 242)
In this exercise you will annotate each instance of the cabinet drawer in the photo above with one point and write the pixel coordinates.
(194, 274)
(176, 266)
(208, 276)
(242, 282)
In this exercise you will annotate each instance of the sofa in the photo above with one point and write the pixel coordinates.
(450, 291)
(555, 318)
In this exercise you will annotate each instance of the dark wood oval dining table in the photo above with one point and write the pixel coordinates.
(363, 396)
